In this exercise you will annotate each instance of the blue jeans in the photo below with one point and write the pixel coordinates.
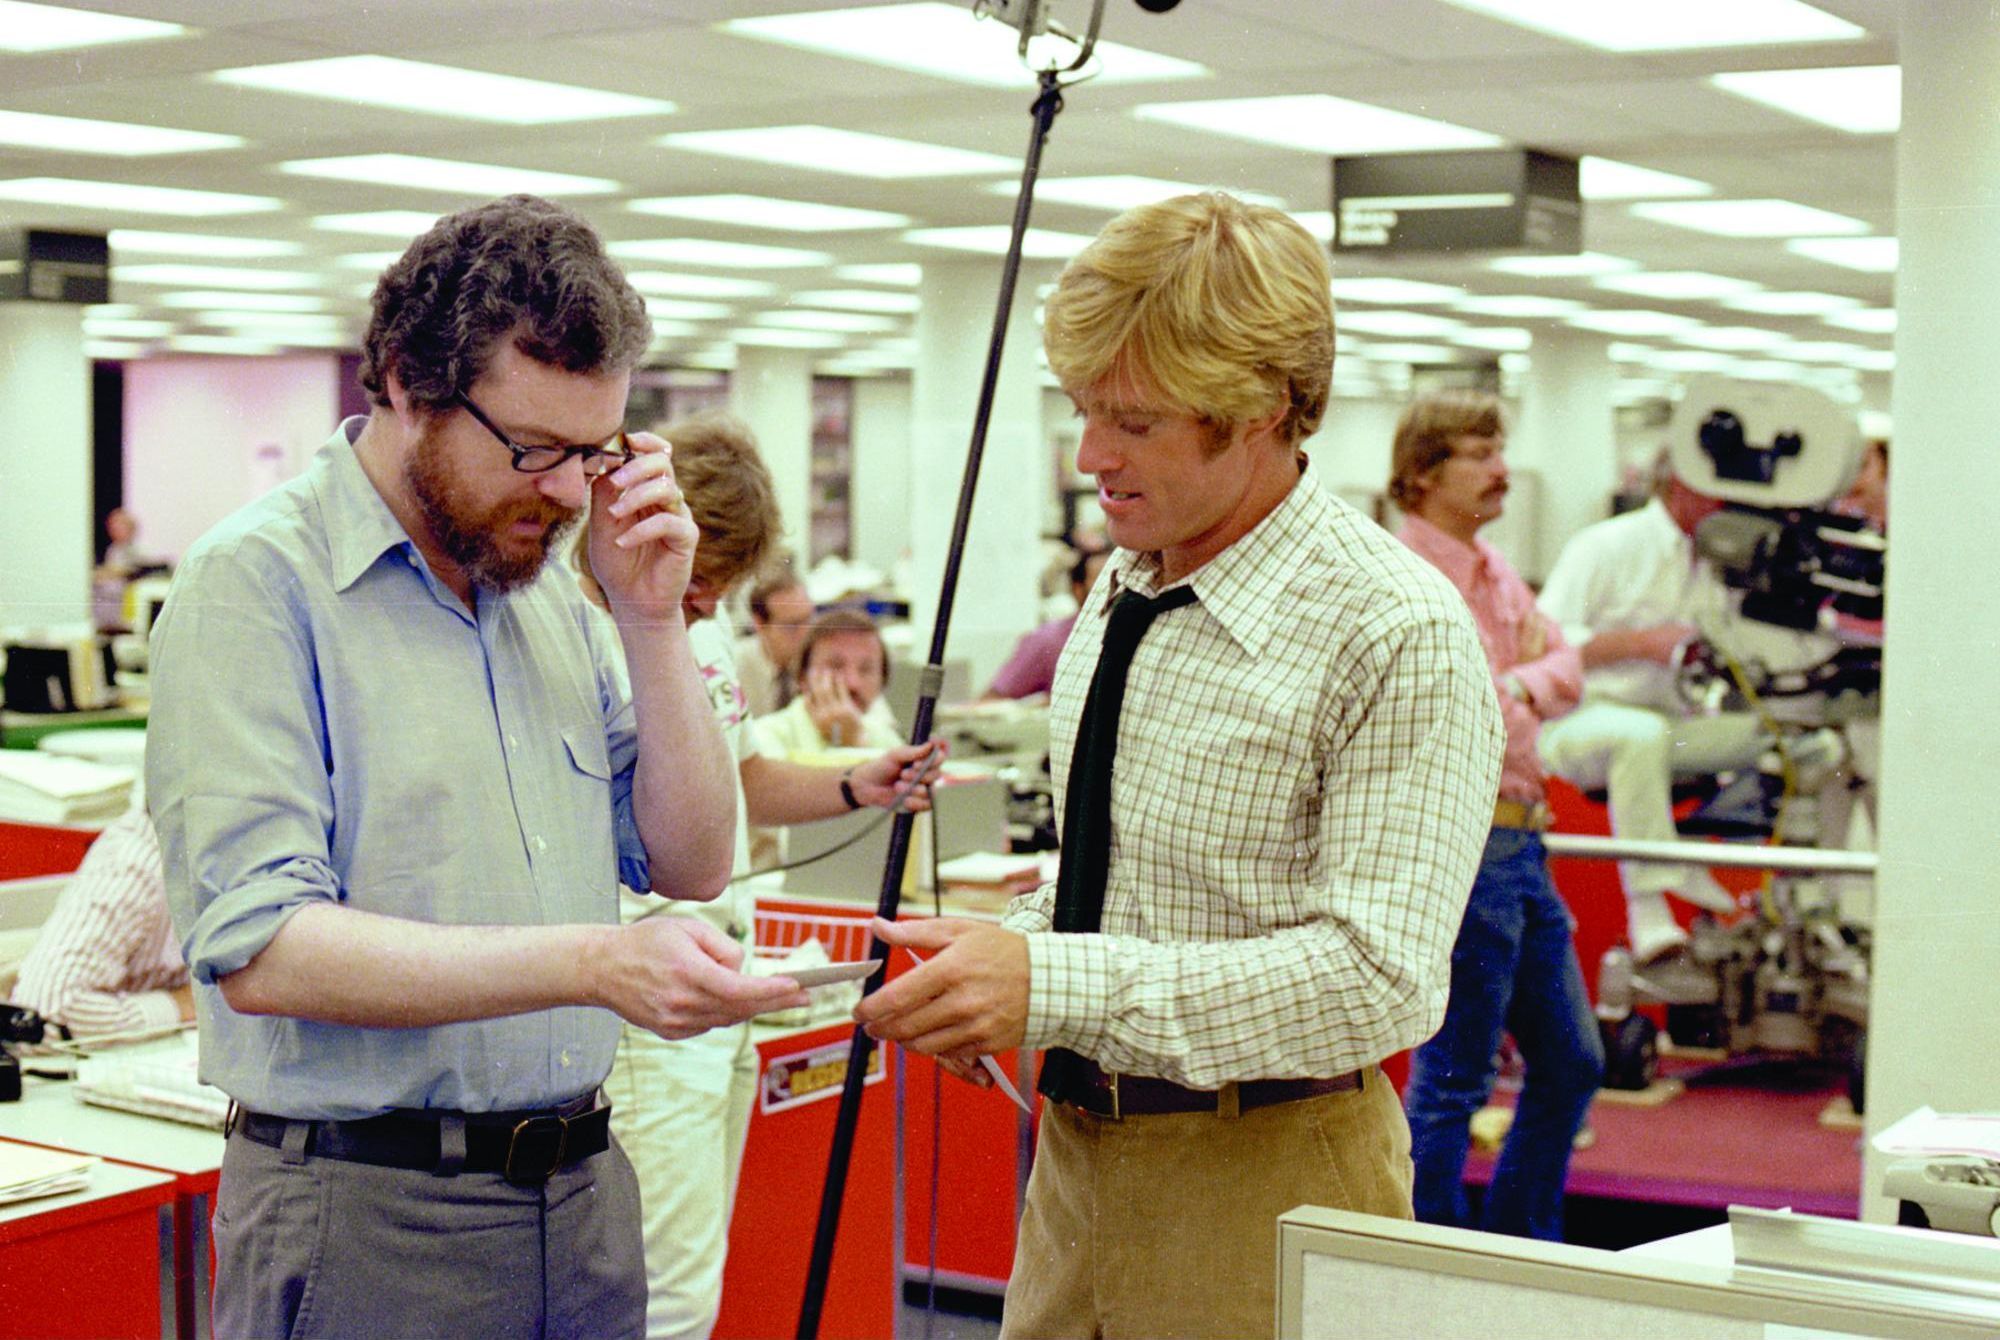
(1514, 968)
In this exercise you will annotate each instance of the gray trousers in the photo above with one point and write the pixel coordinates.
(324, 1248)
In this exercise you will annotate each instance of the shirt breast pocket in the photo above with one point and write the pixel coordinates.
(590, 801)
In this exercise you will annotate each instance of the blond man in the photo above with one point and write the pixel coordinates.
(1307, 749)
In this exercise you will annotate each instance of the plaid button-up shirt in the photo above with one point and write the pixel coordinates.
(1307, 761)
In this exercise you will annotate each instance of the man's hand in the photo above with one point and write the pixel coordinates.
(970, 999)
(642, 539)
(678, 976)
(832, 709)
(900, 776)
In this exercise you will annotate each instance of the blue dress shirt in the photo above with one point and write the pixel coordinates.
(331, 724)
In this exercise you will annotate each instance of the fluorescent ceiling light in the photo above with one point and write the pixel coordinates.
(26, 28)
(1604, 179)
(1684, 26)
(680, 309)
(213, 276)
(112, 351)
(262, 302)
(1518, 306)
(126, 328)
(406, 223)
(368, 260)
(1581, 265)
(1874, 360)
(1875, 255)
(1767, 370)
(1735, 338)
(1749, 218)
(1318, 123)
(1791, 304)
(1686, 285)
(441, 90)
(138, 241)
(1404, 324)
(878, 358)
(1818, 351)
(1628, 322)
(70, 134)
(787, 339)
(853, 323)
(448, 175)
(1123, 192)
(763, 211)
(1364, 288)
(673, 330)
(825, 149)
(859, 300)
(1318, 222)
(723, 255)
(1410, 353)
(1864, 99)
(241, 316)
(222, 344)
(1509, 338)
(902, 274)
(1690, 360)
(122, 197)
(110, 310)
(1872, 320)
(992, 239)
(698, 286)
(950, 42)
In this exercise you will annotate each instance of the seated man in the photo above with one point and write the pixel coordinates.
(107, 961)
(1032, 667)
(780, 614)
(843, 668)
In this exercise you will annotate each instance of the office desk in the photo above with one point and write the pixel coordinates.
(85, 1264)
(29, 850)
(49, 1114)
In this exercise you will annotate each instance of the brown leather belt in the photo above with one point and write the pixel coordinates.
(1082, 1083)
(1535, 818)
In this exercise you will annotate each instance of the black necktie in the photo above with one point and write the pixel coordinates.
(1086, 831)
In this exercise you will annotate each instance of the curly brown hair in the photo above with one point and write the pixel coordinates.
(1429, 429)
(519, 267)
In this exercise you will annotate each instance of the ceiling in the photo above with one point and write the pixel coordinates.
(1428, 57)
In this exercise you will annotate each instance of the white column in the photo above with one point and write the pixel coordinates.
(1937, 904)
(45, 468)
(771, 390)
(997, 594)
(1565, 442)
(880, 491)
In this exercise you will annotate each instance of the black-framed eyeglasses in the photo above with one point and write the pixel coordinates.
(598, 458)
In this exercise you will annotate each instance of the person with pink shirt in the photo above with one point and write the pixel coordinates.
(1514, 967)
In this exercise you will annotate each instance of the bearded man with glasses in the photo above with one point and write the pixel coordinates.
(398, 780)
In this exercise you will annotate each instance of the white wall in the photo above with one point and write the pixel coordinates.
(204, 435)
(45, 463)
(879, 492)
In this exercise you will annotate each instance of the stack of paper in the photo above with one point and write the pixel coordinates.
(156, 1078)
(41, 788)
(28, 1171)
(992, 870)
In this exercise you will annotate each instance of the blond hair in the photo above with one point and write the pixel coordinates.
(1425, 434)
(1223, 307)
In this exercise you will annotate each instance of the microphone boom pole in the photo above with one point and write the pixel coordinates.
(1047, 104)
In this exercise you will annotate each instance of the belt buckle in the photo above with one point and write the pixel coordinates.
(527, 1136)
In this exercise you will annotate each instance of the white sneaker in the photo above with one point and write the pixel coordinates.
(1654, 932)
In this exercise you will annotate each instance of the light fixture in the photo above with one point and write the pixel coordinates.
(1870, 320)
(722, 255)
(262, 302)
(1387, 289)
(1518, 306)
(1874, 360)
(223, 344)
(852, 152)
(212, 276)
(859, 300)
(113, 351)
(1863, 99)
(763, 211)
(1690, 360)
(852, 323)
(1123, 192)
(70, 134)
(1581, 265)
(1410, 353)
(447, 175)
(1749, 218)
(992, 240)
(29, 28)
(698, 286)
(1818, 351)
(1873, 255)
(1684, 285)
(1399, 324)
(376, 261)
(1507, 338)
(1791, 304)
(1628, 321)
(405, 223)
(1318, 123)
(900, 274)
(138, 241)
(126, 328)
(779, 338)
(680, 309)
(125, 198)
(1685, 26)
(673, 330)
(1318, 222)
(950, 42)
(1734, 338)
(441, 90)
(1605, 179)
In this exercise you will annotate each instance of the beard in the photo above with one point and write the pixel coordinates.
(478, 540)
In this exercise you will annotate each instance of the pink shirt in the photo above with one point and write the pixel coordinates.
(1519, 639)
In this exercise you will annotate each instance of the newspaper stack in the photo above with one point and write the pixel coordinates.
(40, 788)
(29, 1171)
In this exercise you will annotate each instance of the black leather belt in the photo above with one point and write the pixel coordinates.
(528, 1147)
(1082, 1083)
